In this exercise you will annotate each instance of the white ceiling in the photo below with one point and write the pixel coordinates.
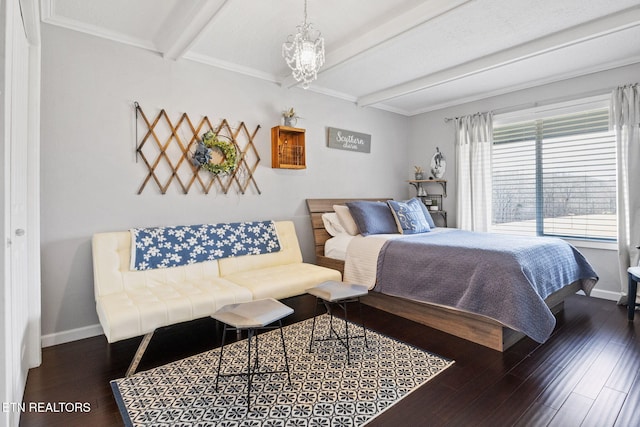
(406, 56)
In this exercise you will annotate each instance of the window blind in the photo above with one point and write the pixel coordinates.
(556, 176)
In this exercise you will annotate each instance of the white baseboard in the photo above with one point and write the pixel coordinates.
(608, 295)
(71, 335)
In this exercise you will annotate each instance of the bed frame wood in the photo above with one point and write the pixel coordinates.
(472, 327)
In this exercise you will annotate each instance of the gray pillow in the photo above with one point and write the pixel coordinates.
(373, 217)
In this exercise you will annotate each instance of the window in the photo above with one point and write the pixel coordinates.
(555, 174)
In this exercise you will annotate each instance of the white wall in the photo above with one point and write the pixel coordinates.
(90, 177)
(430, 130)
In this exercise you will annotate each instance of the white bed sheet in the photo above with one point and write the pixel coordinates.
(336, 247)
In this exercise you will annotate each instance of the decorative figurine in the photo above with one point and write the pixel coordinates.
(438, 164)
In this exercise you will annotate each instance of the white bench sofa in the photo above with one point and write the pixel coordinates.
(132, 303)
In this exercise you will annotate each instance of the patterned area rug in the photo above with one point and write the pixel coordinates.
(325, 390)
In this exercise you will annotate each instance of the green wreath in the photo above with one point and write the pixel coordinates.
(228, 149)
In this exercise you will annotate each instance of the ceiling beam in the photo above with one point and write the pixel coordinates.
(186, 26)
(610, 24)
(386, 31)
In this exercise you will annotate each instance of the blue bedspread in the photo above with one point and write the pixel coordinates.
(502, 277)
(162, 247)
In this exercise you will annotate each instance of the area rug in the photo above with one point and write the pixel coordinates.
(325, 391)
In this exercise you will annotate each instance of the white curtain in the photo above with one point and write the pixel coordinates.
(474, 139)
(625, 119)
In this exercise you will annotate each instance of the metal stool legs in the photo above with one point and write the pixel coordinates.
(252, 334)
(344, 340)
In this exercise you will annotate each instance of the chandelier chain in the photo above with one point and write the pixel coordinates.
(305, 12)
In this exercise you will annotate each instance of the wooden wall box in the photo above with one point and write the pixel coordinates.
(288, 148)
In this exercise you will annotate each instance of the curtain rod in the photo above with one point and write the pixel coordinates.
(547, 102)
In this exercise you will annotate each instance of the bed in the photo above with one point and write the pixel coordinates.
(465, 323)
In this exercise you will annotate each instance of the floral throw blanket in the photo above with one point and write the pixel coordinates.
(162, 247)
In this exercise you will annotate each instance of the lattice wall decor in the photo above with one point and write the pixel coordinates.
(167, 149)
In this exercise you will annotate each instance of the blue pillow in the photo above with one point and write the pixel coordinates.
(410, 216)
(427, 215)
(372, 217)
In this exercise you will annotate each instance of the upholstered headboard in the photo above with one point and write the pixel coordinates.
(316, 208)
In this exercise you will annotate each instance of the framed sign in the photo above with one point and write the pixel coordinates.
(348, 140)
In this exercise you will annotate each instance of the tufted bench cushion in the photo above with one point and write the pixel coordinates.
(142, 309)
(282, 281)
(277, 275)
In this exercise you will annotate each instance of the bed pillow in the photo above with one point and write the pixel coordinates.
(427, 215)
(373, 217)
(409, 216)
(332, 224)
(346, 220)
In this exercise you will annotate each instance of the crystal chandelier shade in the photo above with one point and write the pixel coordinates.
(304, 52)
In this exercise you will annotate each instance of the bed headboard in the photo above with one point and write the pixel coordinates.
(316, 208)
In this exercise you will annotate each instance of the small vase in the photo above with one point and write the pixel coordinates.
(290, 121)
(419, 176)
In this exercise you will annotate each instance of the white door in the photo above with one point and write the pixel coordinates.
(20, 288)
(19, 191)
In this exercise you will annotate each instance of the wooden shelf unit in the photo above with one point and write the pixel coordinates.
(419, 182)
(288, 148)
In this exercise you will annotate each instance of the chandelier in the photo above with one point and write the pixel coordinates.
(304, 52)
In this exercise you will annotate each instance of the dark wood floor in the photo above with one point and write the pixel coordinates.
(586, 374)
